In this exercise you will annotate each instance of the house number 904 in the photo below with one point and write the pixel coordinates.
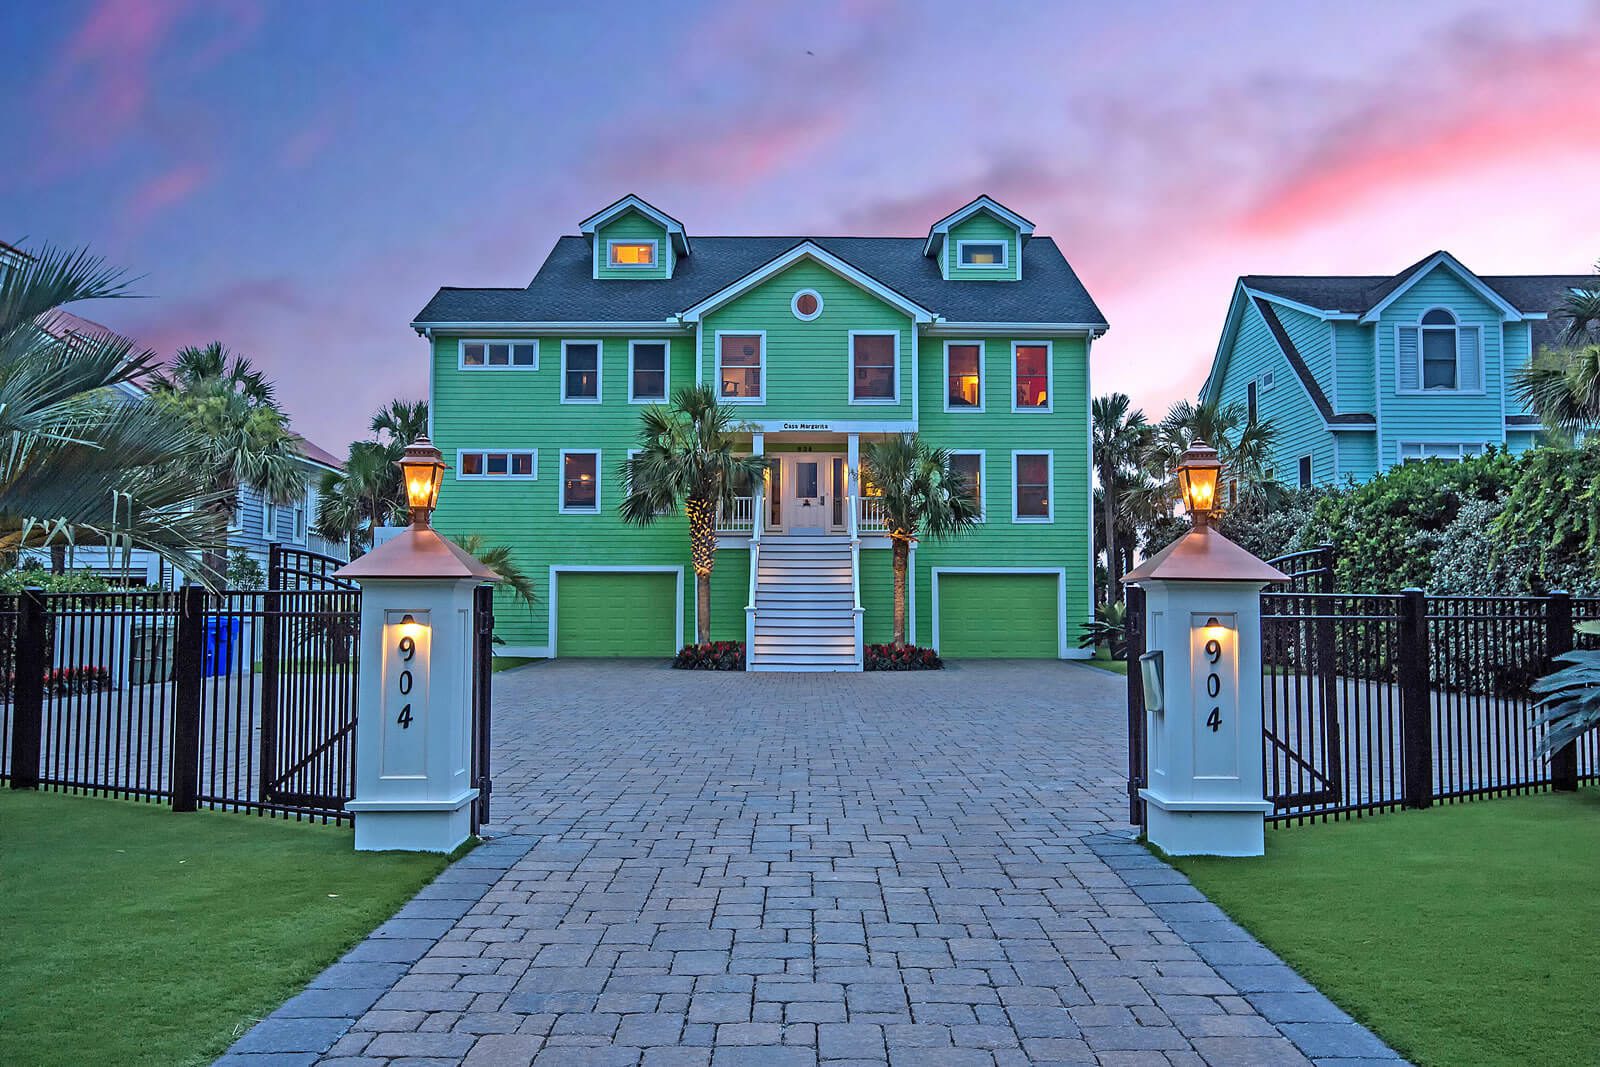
(408, 652)
(1214, 683)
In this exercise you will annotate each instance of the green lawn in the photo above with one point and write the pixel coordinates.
(1103, 660)
(506, 663)
(133, 935)
(1465, 934)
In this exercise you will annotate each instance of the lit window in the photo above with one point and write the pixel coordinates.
(580, 371)
(1031, 502)
(968, 466)
(580, 481)
(647, 370)
(981, 253)
(872, 362)
(632, 253)
(499, 463)
(1031, 373)
(739, 359)
(500, 355)
(963, 376)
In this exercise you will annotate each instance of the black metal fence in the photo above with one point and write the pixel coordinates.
(1375, 702)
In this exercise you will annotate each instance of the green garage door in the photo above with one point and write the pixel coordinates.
(998, 616)
(607, 613)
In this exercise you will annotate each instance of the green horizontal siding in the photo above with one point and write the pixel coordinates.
(982, 226)
(877, 596)
(1297, 425)
(606, 614)
(1009, 616)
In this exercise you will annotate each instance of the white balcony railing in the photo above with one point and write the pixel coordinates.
(871, 520)
(737, 516)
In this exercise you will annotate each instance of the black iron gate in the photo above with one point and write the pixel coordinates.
(1300, 699)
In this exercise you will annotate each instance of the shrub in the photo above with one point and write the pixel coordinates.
(904, 658)
(1109, 628)
(712, 656)
(15, 581)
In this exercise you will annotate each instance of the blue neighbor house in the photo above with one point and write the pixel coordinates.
(1358, 373)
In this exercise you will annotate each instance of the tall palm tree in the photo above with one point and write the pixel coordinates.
(84, 462)
(1119, 435)
(923, 497)
(687, 459)
(247, 438)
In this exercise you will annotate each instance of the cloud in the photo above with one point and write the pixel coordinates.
(167, 189)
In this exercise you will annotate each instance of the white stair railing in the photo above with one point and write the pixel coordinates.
(855, 580)
(755, 561)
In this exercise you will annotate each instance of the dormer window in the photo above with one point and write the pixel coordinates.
(982, 254)
(624, 254)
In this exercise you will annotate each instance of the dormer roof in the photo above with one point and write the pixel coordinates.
(674, 228)
(941, 229)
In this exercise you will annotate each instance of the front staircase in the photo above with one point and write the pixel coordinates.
(804, 606)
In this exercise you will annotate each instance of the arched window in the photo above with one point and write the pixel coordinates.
(1440, 366)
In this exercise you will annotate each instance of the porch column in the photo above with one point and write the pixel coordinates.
(850, 477)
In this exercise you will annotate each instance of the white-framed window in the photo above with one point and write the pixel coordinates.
(302, 508)
(874, 367)
(1031, 375)
(269, 520)
(1032, 479)
(580, 481)
(514, 464)
(1449, 451)
(1267, 380)
(647, 371)
(480, 354)
(963, 376)
(742, 366)
(1440, 350)
(631, 255)
(806, 305)
(1438, 355)
(984, 255)
(968, 463)
(580, 372)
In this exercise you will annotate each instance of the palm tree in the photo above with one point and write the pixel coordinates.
(84, 464)
(1562, 386)
(230, 404)
(1581, 308)
(1120, 437)
(1243, 445)
(498, 558)
(686, 459)
(368, 493)
(401, 421)
(922, 498)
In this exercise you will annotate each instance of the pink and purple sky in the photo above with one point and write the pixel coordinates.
(295, 179)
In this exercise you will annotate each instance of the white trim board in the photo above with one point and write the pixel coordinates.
(1454, 266)
(1062, 649)
(624, 568)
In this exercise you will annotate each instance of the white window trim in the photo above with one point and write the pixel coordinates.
(1049, 377)
(461, 476)
(599, 372)
(666, 371)
(1005, 255)
(794, 305)
(561, 481)
(655, 253)
(983, 386)
(1422, 330)
(716, 385)
(850, 366)
(461, 352)
(1050, 485)
(983, 478)
(1464, 449)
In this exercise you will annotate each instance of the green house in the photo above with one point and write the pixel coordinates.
(976, 336)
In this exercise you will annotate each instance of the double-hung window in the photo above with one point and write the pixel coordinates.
(1439, 354)
(968, 466)
(873, 374)
(499, 355)
(1439, 364)
(963, 375)
(1031, 478)
(647, 371)
(580, 482)
(1030, 376)
(475, 463)
(741, 362)
(580, 372)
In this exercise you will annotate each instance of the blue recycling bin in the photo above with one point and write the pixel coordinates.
(222, 637)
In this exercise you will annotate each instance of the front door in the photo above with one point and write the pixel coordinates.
(808, 502)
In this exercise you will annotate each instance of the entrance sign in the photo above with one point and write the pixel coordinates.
(408, 644)
(1216, 697)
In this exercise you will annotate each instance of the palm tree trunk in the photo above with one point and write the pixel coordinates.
(1108, 510)
(902, 553)
(703, 554)
(58, 559)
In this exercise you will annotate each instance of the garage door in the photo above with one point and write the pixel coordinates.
(616, 614)
(995, 616)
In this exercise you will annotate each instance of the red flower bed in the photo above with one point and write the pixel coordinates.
(64, 681)
(905, 658)
(716, 656)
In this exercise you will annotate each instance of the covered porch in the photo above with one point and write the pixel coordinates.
(812, 488)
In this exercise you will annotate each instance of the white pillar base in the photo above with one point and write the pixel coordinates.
(1200, 828)
(416, 826)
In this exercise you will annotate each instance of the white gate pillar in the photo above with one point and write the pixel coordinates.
(414, 786)
(1204, 793)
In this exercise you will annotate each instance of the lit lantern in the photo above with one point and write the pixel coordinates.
(422, 466)
(1198, 469)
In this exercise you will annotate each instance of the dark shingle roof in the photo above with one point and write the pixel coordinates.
(564, 290)
(1303, 372)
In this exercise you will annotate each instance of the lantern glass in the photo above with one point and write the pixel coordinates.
(1198, 470)
(422, 468)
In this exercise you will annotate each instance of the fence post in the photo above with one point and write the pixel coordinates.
(482, 699)
(1416, 713)
(1558, 639)
(271, 631)
(27, 696)
(188, 663)
(1328, 677)
(1135, 642)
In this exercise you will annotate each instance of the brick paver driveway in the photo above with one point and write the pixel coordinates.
(776, 869)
